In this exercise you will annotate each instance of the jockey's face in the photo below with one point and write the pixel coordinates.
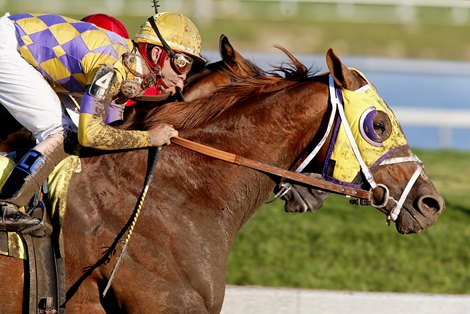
(174, 70)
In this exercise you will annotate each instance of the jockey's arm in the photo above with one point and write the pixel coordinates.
(92, 129)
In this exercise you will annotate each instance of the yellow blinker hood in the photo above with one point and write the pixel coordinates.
(355, 103)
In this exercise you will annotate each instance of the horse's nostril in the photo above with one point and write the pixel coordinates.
(430, 203)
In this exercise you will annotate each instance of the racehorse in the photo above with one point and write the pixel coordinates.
(177, 257)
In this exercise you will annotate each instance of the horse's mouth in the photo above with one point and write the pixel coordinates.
(420, 215)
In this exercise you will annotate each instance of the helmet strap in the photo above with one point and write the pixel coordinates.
(167, 48)
(144, 50)
(161, 61)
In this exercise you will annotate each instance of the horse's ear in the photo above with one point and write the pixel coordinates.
(342, 75)
(229, 55)
(226, 50)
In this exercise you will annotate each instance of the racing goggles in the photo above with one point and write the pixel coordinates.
(181, 63)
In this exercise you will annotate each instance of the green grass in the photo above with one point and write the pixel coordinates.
(345, 247)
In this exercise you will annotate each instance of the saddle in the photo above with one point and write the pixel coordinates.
(45, 255)
(49, 202)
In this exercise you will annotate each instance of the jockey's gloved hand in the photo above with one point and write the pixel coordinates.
(161, 134)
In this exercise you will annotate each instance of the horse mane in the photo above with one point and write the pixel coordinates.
(251, 81)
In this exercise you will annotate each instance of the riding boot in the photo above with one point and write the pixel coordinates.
(25, 180)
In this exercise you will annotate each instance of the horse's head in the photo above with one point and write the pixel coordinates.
(369, 145)
(369, 149)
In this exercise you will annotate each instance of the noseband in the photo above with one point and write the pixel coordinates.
(393, 215)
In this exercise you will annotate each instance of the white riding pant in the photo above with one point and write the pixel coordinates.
(25, 93)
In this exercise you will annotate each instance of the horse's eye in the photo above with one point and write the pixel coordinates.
(375, 126)
(379, 127)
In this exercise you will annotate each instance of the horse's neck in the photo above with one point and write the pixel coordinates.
(275, 129)
(317, 151)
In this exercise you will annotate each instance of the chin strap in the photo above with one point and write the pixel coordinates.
(156, 67)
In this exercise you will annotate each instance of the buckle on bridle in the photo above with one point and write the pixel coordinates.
(385, 198)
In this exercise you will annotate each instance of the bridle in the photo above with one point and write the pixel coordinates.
(337, 105)
(393, 214)
(364, 195)
(336, 100)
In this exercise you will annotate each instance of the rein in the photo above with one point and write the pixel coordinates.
(266, 168)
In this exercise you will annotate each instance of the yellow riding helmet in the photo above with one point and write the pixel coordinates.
(178, 31)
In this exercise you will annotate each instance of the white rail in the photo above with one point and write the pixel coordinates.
(445, 120)
(441, 118)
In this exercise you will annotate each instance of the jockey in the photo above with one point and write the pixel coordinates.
(44, 56)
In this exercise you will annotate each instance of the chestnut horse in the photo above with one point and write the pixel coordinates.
(177, 256)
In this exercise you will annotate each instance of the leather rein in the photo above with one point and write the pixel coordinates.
(257, 165)
(266, 168)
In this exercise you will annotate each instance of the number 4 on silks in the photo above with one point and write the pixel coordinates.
(103, 80)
